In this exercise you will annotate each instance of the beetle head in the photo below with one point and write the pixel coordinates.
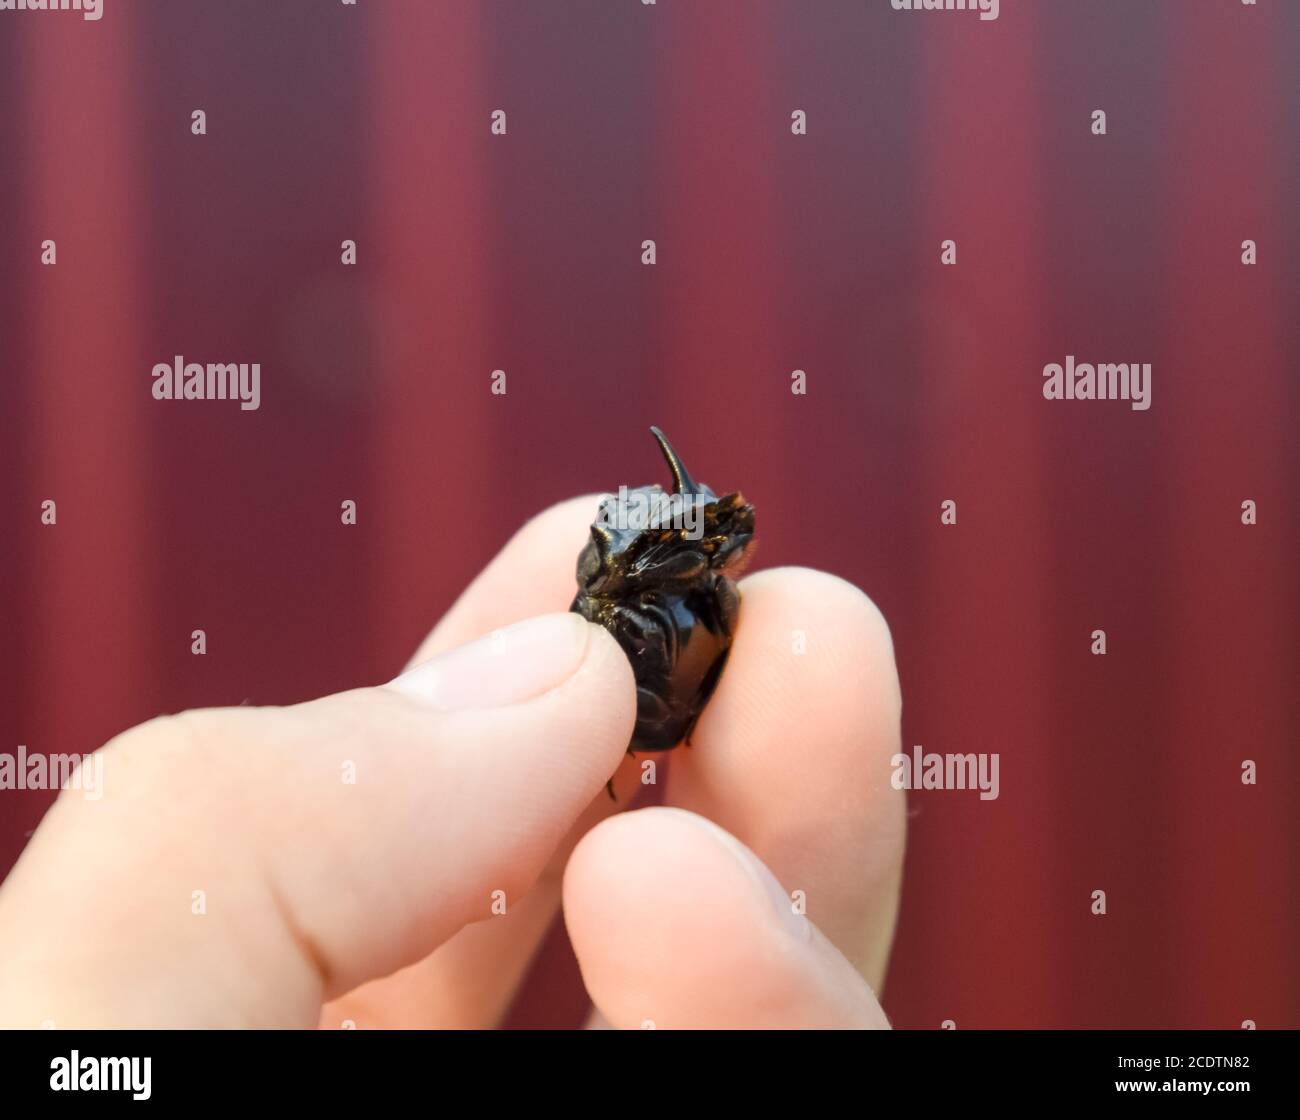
(647, 536)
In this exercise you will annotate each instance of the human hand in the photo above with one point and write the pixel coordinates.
(370, 901)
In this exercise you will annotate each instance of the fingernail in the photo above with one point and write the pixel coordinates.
(757, 870)
(507, 666)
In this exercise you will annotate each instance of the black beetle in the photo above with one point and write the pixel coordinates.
(658, 574)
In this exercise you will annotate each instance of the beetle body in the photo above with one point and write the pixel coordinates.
(658, 573)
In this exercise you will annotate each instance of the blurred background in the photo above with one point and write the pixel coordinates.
(776, 252)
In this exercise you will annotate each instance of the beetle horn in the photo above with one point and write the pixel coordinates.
(683, 483)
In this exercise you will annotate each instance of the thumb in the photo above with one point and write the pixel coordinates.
(243, 865)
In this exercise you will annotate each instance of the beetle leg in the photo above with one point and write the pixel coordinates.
(655, 638)
(681, 567)
(650, 708)
(731, 553)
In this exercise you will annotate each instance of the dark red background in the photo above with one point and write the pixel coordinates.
(776, 252)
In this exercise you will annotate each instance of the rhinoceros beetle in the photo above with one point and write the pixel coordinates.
(658, 573)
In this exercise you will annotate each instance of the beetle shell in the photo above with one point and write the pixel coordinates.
(660, 579)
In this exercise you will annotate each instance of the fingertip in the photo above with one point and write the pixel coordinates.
(821, 613)
(812, 667)
(676, 923)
